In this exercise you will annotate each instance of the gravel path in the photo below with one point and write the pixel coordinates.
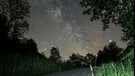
(75, 72)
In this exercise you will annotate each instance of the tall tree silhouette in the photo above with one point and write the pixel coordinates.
(55, 55)
(13, 24)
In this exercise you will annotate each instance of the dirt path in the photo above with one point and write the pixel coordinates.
(75, 72)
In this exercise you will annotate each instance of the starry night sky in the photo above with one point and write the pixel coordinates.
(60, 23)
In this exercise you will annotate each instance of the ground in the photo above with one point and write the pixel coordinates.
(75, 72)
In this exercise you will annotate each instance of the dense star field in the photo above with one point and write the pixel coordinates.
(61, 24)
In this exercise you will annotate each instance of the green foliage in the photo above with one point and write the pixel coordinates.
(110, 53)
(129, 55)
(33, 64)
(119, 12)
(120, 68)
(128, 59)
(115, 69)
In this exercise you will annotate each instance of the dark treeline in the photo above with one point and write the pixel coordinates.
(110, 53)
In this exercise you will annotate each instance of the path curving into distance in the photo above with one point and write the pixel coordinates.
(75, 72)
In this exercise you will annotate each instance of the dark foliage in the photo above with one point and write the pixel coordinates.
(3, 27)
(110, 53)
(82, 61)
(119, 12)
(55, 55)
(127, 56)
(13, 25)
(15, 12)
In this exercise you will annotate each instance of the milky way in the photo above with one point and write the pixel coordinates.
(60, 23)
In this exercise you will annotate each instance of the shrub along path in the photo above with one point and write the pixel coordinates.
(75, 72)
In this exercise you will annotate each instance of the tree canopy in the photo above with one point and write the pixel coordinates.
(15, 13)
(13, 24)
(119, 12)
(55, 55)
(82, 61)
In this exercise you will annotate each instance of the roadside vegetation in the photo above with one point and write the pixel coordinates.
(125, 67)
(16, 64)
(119, 13)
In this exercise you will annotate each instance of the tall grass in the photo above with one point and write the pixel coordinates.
(115, 69)
(29, 65)
(121, 68)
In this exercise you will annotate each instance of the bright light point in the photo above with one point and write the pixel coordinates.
(110, 40)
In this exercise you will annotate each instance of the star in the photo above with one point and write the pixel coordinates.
(110, 41)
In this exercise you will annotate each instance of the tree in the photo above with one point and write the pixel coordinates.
(91, 59)
(82, 61)
(110, 53)
(76, 59)
(55, 55)
(13, 24)
(29, 45)
(3, 28)
(119, 12)
(15, 13)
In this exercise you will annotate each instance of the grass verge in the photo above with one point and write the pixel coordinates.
(115, 69)
(29, 65)
(125, 67)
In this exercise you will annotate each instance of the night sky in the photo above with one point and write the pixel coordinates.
(60, 23)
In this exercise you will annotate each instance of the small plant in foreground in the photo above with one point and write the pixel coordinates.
(92, 72)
